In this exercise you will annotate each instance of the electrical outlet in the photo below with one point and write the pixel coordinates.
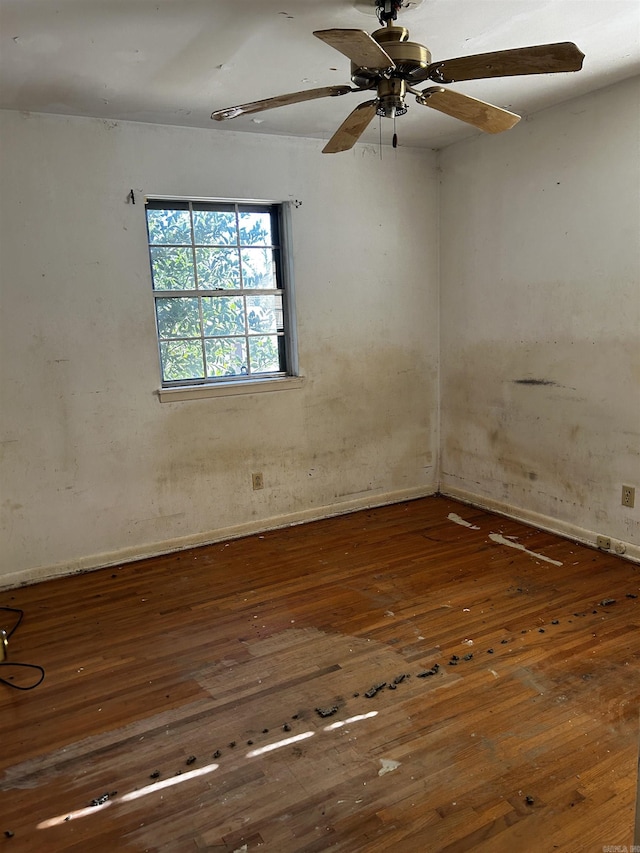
(628, 496)
(603, 542)
(257, 480)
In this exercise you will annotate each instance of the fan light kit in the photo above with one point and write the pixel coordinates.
(387, 62)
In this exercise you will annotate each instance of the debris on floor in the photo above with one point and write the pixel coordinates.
(327, 712)
(388, 766)
(101, 800)
(371, 692)
(392, 684)
(502, 540)
(461, 521)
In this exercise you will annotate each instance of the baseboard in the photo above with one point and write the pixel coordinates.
(544, 522)
(128, 555)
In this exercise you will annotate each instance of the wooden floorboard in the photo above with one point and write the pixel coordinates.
(186, 687)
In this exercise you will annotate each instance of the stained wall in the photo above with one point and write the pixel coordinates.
(93, 468)
(540, 306)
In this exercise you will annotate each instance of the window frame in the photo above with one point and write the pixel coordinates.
(200, 387)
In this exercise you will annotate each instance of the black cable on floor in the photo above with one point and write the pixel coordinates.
(20, 614)
(26, 665)
(19, 620)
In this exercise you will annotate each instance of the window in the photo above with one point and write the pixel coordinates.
(221, 306)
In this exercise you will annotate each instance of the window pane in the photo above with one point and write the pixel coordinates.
(181, 360)
(265, 356)
(218, 268)
(213, 227)
(217, 288)
(264, 313)
(258, 268)
(226, 357)
(223, 315)
(178, 317)
(255, 229)
(172, 269)
(169, 226)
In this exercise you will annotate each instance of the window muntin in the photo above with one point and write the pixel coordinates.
(218, 285)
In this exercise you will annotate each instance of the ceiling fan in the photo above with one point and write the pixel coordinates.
(392, 65)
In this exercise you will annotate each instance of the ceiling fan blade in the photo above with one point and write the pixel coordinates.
(540, 59)
(351, 128)
(280, 101)
(358, 46)
(483, 116)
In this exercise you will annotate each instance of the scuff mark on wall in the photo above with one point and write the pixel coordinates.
(548, 382)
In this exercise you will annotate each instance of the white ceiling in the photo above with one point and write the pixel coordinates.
(174, 61)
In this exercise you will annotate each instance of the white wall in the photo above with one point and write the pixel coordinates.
(540, 254)
(93, 468)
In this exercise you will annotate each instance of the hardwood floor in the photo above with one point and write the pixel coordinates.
(186, 689)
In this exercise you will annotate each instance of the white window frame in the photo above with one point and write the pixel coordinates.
(173, 391)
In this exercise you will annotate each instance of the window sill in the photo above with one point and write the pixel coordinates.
(227, 389)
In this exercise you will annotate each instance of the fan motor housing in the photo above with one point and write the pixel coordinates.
(410, 58)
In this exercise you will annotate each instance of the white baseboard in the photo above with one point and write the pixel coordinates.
(128, 555)
(544, 522)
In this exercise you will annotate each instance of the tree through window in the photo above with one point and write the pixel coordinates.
(218, 284)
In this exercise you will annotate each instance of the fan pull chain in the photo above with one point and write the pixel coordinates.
(380, 132)
(394, 141)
